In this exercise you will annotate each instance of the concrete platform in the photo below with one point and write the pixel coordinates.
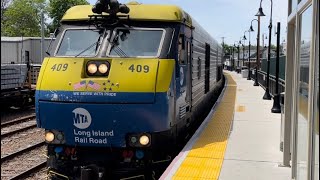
(253, 150)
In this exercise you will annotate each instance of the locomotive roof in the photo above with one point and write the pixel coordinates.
(138, 12)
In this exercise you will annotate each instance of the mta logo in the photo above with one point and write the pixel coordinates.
(81, 118)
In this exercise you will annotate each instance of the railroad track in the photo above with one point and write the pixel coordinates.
(21, 164)
(18, 120)
(4, 135)
(15, 154)
(24, 155)
(28, 172)
(14, 126)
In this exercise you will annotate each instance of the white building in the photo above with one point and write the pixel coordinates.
(13, 49)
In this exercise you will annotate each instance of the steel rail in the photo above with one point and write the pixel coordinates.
(18, 120)
(15, 154)
(4, 135)
(28, 172)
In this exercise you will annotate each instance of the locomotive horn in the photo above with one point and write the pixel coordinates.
(124, 9)
(100, 6)
(114, 7)
(110, 6)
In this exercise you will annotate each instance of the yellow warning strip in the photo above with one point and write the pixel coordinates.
(204, 161)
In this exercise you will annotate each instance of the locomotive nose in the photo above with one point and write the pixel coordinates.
(99, 80)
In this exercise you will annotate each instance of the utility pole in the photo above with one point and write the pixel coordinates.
(263, 41)
(223, 40)
(223, 43)
(42, 36)
(223, 51)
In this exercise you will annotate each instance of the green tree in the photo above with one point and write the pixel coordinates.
(273, 46)
(4, 5)
(22, 18)
(57, 8)
(227, 49)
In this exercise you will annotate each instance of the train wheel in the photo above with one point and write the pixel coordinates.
(26, 103)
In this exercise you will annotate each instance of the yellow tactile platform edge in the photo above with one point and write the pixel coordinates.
(204, 161)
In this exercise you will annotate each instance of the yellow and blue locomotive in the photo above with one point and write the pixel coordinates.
(122, 86)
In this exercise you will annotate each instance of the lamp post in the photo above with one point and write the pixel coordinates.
(249, 71)
(259, 14)
(251, 30)
(244, 44)
(233, 61)
(238, 48)
(263, 38)
(267, 95)
(243, 49)
(238, 63)
(238, 56)
(276, 103)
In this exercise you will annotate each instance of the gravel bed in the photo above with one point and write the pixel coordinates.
(18, 126)
(22, 163)
(21, 140)
(41, 175)
(14, 113)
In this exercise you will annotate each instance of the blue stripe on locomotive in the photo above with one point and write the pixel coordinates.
(112, 120)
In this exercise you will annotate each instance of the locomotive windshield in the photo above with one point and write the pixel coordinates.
(79, 42)
(136, 42)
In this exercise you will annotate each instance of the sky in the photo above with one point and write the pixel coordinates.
(231, 18)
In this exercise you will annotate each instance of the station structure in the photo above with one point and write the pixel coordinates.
(242, 139)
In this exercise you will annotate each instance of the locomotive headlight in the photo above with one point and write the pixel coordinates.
(49, 136)
(92, 68)
(139, 140)
(144, 140)
(98, 68)
(103, 68)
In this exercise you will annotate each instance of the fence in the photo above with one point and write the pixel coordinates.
(262, 77)
(35, 69)
(262, 74)
(282, 66)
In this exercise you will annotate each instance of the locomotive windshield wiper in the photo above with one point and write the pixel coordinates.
(118, 50)
(97, 43)
(115, 47)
